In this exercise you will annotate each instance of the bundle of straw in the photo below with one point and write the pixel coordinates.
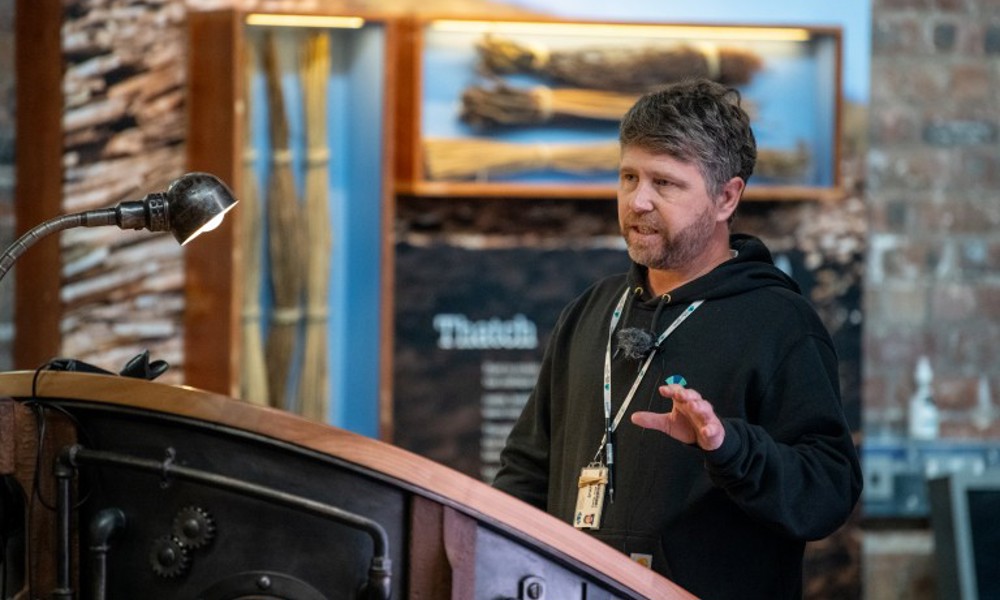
(253, 377)
(284, 240)
(619, 68)
(313, 385)
(479, 159)
(476, 158)
(501, 104)
(783, 164)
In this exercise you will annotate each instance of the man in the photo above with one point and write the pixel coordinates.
(688, 412)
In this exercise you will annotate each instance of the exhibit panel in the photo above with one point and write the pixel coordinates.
(470, 338)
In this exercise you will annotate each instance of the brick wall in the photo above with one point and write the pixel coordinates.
(933, 269)
(932, 285)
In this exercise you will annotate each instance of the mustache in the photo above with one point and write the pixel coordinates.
(644, 223)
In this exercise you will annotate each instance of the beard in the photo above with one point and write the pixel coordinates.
(670, 251)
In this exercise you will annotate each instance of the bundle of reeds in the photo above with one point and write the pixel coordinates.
(499, 104)
(313, 384)
(502, 104)
(253, 376)
(625, 69)
(285, 239)
(783, 165)
(477, 158)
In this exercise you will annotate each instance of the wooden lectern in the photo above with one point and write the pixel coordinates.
(122, 488)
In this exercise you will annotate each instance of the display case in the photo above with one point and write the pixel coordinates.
(288, 307)
(531, 108)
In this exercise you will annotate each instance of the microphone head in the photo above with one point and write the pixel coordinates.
(635, 342)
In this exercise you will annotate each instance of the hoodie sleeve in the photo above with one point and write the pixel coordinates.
(524, 460)
(796, 467)
(527, 468)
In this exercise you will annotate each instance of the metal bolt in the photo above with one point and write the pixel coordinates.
(532, 588)
(535, 590)
(191, 528)
(263, 582)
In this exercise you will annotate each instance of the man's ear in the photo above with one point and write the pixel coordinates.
(729, 198)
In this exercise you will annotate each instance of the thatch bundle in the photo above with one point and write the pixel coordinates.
(625, 69)
(285, 240)
(783, 165)
(501, 104)
(479, 159)
(314, 390)
(253, 376)
(476, 158)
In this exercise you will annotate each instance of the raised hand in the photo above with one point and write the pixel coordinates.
(692, 420)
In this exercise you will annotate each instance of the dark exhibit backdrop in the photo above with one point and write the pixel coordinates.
(479, 286)
(471, 327)
(498, 272)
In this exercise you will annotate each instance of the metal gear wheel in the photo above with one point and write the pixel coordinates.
(194, 527)
(168, 557)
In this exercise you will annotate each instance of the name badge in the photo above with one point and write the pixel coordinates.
(590, 497)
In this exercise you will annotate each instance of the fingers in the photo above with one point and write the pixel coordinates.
(668, 423)
(699, 413)
(710, 435)
(678, 392)
(689, 402)
(652, 420)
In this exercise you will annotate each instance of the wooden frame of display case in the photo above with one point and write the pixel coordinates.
(824, 43)
(38, 179)
(212, 267)
(216, 144)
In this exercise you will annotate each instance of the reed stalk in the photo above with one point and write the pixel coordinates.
(253, 375)
(314, 386)
(285, 240)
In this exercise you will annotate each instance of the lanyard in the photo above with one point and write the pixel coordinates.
(615, 317)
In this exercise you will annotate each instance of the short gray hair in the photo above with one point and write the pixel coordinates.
(697, 121)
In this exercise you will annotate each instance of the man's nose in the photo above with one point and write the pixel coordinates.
(641, 199)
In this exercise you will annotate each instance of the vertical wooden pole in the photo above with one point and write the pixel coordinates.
(211, 321)
(39, 177)
(397, 99)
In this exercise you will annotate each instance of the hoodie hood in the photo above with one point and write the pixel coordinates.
(751, 268)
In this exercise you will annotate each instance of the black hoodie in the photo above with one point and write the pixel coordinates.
(726, 524)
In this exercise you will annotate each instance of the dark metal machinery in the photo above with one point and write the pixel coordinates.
(117, 500)
(177, 510)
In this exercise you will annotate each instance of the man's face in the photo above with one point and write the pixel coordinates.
(665, 212)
